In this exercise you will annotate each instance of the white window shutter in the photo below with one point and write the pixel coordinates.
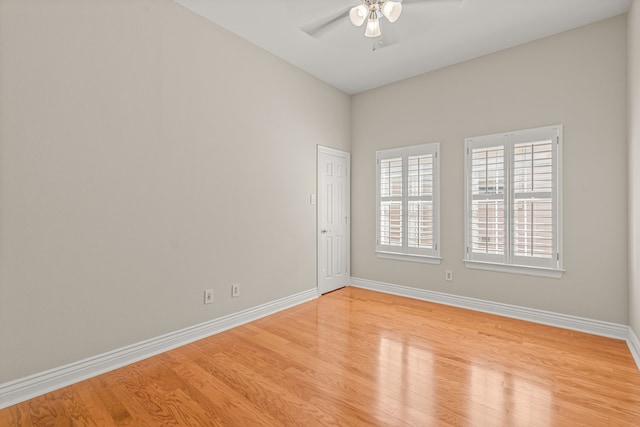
(391, 223)
(535, 200)
(420, 202)
(512, 193)
(408, 202)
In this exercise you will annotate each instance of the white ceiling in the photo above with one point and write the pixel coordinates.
(429, 35)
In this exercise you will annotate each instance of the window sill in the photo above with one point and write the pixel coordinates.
(411, 258)
(515, 269)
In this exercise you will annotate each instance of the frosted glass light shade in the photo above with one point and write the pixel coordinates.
(392, 10)
(373, 27)
(358, 15)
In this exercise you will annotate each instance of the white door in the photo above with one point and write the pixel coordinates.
(333, 219)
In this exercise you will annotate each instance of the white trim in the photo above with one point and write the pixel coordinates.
(409, 257)
(574, 323)
(515, 269)
(634, 346)
(35, 385)
(332, 151)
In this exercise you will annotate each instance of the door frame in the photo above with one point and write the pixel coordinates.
(347, 253)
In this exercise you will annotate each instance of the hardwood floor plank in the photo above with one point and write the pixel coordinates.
(84, 408)
(309, 383)
(357, 357)
(224, 405)
(48, 410)
(16, 415)
(114, 407)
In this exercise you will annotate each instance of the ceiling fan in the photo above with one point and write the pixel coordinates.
(373, 12)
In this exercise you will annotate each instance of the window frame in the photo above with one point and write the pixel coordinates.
(509, 261)
(404, 252)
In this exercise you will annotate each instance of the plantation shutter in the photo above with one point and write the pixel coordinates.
(391, 218)
(488, 203)
(407, 203)
(420, 202)
(534, 209)
(512, 190)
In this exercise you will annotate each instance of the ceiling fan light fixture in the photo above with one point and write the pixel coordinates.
(373, 26)
(392, 10)
(358, 14)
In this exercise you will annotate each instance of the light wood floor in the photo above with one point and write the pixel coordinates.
(356, 357)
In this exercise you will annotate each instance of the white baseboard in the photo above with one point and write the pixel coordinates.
(35, 385)
(595, 327)
(634, 346)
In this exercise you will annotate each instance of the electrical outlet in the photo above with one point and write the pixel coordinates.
(448, 275)
(208, 296)
(235, 290)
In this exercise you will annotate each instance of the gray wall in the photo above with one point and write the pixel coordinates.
(634, 165)
(577, 79)
(145, 155)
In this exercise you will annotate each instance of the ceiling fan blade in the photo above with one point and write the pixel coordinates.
(315, 28)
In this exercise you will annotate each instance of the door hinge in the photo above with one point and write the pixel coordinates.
(435, 246)
(558, 256)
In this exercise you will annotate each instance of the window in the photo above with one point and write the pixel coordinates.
(512, 202)
(407, 199)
